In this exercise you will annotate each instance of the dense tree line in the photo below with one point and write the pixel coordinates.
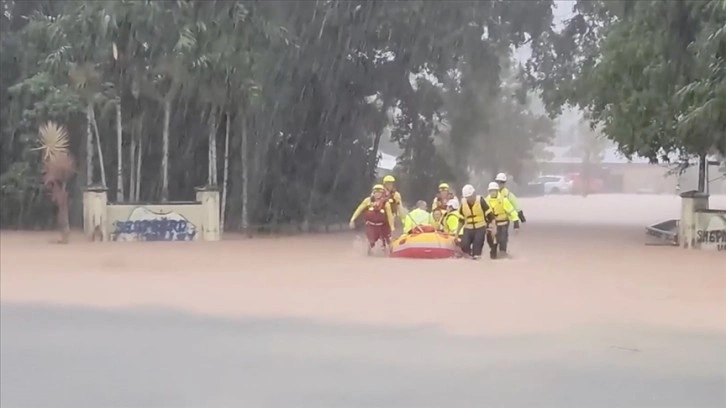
(280, 104)
(650, 74)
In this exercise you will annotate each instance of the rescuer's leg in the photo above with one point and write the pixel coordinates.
(478, 244)
(492, 245)
(385, 236)
(503, 237)
(467, 238)
(372, 235)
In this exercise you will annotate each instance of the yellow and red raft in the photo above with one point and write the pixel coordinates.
(424, 242)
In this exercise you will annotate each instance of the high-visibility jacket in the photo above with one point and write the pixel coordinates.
(375, 211)
(415, 218)
(506, 193)
(451, 222)
(502, 208)
(475, 215)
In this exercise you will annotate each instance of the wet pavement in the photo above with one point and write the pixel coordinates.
(82, 357)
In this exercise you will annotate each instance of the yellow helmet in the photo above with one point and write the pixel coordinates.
(443, 187)
(389, 179)
(378, 187)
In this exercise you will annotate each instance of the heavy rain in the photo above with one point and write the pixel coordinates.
(564, 161)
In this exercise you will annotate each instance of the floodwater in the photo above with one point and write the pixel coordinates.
(584, 315)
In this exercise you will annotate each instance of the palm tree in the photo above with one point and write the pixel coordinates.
(58, 170)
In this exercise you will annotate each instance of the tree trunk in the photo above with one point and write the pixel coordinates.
(702, 163)
(245, 172)
(101, 163)
(119, 157)
(374, 155)
(63, 220)
(165, 153)
(226, 172)
(89, 145)
(212, 178)
(132, 164)
(139, 152)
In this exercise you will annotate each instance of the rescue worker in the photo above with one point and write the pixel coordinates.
(378, 217)
(501, 180)
(418, 217)
(504, 213)
(442, 197)
(453, 219)
(477, 215)
(393, 197)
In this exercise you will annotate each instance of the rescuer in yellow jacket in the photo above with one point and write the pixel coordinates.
(477, 216)
(442, 198)
(504, 213)
(501, 180)
(453, 220)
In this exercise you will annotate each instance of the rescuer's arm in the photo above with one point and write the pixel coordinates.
(361, 207)
(434, 203)
(511, 211)
(389, 217)
(514, 200)
(488, 213)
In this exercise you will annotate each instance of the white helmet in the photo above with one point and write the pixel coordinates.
(493, 186)
(501, 177)
(453, 203)
(468, 191)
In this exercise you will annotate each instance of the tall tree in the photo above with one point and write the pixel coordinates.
(651, 73)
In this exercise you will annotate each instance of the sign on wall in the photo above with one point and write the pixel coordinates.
(144, 224)
(713, 236)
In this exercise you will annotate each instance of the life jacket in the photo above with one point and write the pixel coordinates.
(375, 214)
(474, 216)
(391, 197)
(502, 208)
(450, 222)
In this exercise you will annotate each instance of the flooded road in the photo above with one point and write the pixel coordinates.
(584, 315)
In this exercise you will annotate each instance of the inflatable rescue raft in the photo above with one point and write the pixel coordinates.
(424, 242)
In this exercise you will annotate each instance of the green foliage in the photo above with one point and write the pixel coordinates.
(652, 73)
(21, 194)
(294, 79)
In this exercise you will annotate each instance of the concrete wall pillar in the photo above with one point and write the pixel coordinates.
(209, 197)
(691, 201)
(95, 201)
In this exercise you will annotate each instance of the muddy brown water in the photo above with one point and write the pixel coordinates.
(580, 274)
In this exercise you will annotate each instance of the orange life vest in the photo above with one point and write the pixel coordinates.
(375, 214)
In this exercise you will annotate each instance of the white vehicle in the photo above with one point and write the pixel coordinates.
(553, 184)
